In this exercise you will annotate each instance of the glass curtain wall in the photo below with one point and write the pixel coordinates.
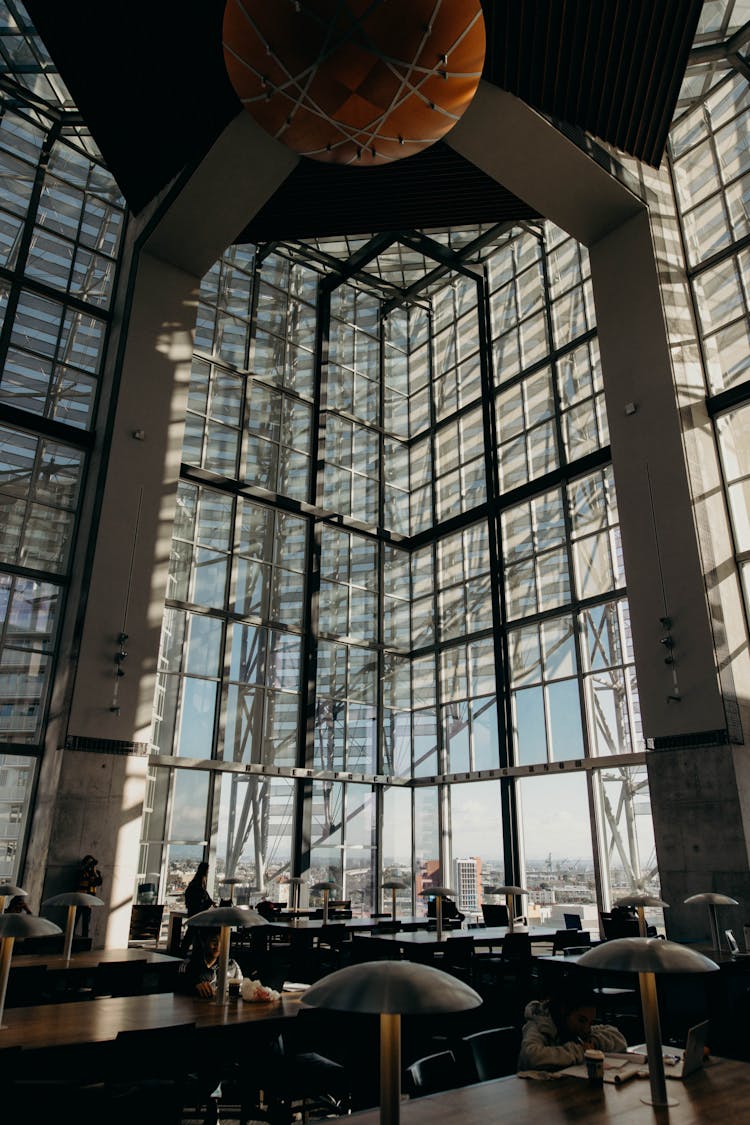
(397, 558)
(711, 173)
(61, 227)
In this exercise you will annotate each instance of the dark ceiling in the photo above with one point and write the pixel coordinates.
(149, 80)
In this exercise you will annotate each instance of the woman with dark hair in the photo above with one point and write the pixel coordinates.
(197, 899)
(559, 1030)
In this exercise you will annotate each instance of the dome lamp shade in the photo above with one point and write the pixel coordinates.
(355, 82)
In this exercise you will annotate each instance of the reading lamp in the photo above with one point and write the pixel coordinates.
(326, 888)
(712, 900)
(510, 894)
(391, 989)
(648, 956)
(225, 919)
(640, 900)
(394, 885)
(439, 894)
(9, 890)
(14, 926)
(72, 899)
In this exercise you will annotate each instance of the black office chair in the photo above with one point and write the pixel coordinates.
(27, 984)
(298, 1078)
(120, 978)
(572, 921)
(493, 1053)
(494, 914)
(433, 1074)
(457, 958)
(570, 939)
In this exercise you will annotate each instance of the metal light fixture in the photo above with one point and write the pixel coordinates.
(648, 956)
(326, 888)
(439, 893)
(14, 926)
(639, 901)
(510, 893)
(391, 989)
(9, 890)
(295, 881)
(72, 899)
(713, 899)
(226, 919)
(354, 83)
(394, 885)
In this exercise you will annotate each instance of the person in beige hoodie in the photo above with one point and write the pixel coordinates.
(559, 1030)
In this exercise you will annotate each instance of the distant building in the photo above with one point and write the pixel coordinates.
(467, 881)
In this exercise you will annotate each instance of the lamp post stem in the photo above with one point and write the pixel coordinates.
(714, 927)
(6, 945)
(390, 1068)
(393, 900)
(325, 907)
(221, 983)
(509, 908)
(641, 921)
(652, 1028)
(2, 903)
(70, 923)
(439, 916)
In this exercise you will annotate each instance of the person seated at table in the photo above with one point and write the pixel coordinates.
(449, 910)
(267, 909)
(17, 905)
(560, 1029)
(198, 973)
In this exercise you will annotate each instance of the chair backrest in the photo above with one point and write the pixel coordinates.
(157, 1051)
(387, 927)
(614, 927)
(120, 978)
(433, 1073)
(494, 914)
(27, 984)
(494, 1052)
(568, 939)
(572, 921)
(516, 948)
(145, 921)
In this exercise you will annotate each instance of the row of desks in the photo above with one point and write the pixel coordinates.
(718, 1093)
(95, 1021)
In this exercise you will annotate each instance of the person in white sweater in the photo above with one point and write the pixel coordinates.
(559, 1030)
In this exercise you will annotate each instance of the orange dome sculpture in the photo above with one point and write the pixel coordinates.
(358, 82)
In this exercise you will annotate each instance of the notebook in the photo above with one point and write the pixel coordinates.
(680, 1062)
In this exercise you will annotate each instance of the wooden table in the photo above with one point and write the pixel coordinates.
(315, 925)
(489, 935)
(719, 1093)
(93, 957)
(95, 1021)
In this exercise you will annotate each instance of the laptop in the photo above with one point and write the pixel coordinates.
(679, 1062)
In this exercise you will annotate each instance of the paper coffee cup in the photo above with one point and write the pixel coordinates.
(594, 1066)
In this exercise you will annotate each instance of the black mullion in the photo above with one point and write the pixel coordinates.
(504, 723)
(508, 799)
(302, 844)
(380, 653)
(567, 521)
(24, 245)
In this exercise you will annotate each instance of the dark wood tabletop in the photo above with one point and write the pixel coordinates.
(91, 1021)
(718, 1093)
(487, 935)
(313, 925)
(90, 958)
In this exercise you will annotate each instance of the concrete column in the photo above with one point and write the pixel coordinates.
(99, 786)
